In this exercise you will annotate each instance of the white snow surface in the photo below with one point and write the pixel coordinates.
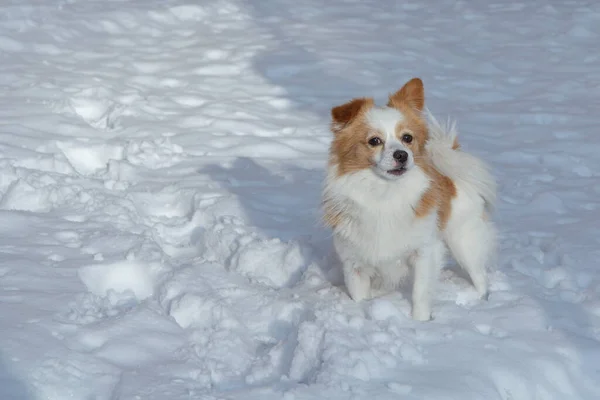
(161, 164)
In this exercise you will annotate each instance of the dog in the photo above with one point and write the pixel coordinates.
(399, 193)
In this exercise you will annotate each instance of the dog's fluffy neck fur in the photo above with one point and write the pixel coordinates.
(373, 195)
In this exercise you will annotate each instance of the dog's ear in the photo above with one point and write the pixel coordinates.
(342, 115)
(411, 94)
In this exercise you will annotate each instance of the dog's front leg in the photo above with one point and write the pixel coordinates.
(427, 263)
(357, 281)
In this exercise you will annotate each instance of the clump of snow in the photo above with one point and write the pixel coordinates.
(137, 277)
(87, 158)
(270, 262)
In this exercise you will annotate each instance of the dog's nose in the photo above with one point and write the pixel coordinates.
(400, 156)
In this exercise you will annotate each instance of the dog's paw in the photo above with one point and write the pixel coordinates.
(358, 285)
(359, 295)
(421, 315)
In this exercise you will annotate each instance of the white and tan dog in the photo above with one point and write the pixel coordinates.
(399, 192)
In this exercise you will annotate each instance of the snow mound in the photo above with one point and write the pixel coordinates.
(271, 262)
(124, 276)
(89, 158)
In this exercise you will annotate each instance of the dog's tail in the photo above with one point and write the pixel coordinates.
(463, 168)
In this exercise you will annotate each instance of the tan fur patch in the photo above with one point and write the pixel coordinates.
(438, 197)
(455, 145)
(417, 128)
(331, 216)
(349, 149)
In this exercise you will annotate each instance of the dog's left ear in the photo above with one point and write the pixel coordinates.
(411, 94)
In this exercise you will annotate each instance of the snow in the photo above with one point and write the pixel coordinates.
(161, 164)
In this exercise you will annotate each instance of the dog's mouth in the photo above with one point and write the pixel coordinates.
(397, 171)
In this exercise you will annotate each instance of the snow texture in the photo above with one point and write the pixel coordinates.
(161, 164)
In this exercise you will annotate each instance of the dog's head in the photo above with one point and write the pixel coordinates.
(386, 140)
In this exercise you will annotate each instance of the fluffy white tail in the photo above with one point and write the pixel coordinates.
(461, 167)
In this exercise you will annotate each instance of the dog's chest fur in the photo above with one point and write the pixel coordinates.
(377, 218)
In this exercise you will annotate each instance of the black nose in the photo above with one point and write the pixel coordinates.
(400, 156)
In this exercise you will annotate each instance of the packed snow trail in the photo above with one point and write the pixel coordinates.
(160, 172)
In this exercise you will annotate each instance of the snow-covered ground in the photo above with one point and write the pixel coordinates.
(160, 172)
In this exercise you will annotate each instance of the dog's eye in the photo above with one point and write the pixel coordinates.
(375, 141)
(406, 138)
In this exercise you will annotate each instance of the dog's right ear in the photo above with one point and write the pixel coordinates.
(342, 115)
